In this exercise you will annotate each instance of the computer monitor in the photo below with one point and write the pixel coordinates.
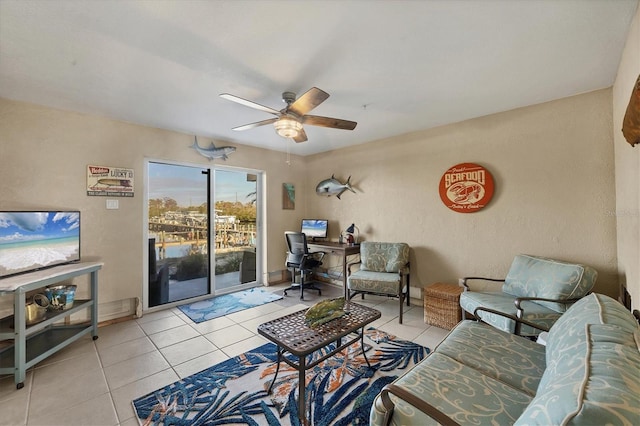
(315, 228)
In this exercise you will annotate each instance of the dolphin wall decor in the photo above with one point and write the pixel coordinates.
(332, 186)
(212, 152)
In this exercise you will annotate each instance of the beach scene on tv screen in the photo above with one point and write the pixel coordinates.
(33, 240)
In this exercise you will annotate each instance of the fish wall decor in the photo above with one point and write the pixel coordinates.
(332, 186)
(212, 152)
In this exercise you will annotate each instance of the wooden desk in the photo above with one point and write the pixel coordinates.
(337, 249)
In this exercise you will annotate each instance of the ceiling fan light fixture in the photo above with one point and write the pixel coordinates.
(288, 127)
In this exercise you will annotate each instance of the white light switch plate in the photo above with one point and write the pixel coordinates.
(112, 205)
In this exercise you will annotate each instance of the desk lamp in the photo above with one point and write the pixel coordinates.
(350, 230)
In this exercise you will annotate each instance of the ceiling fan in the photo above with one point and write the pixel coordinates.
(289, 120)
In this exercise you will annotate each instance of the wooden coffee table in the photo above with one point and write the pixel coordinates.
(292, 335)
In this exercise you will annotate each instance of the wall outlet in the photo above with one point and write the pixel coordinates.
(112, 205)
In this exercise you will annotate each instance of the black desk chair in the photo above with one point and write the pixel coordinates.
(301, 262)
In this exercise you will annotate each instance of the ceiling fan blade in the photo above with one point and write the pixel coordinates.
(336, 123)
(302, 136)
(250, 104)
(311, 99)
(256, 124)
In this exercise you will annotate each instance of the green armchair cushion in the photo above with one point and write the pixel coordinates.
(531, 276)
(375, 282)
(534, 312)
(383, 257)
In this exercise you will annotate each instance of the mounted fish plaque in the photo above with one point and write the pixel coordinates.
(466, 188)
(332, 186)
(213, 152)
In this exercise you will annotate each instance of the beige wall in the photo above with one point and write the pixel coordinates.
(553, 170)
(552, 163)
(44, 154)
(627, 169)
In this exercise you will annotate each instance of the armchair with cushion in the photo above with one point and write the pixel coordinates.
(536, 289)
(383, 270)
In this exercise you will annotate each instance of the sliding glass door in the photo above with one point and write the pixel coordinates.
(235, 222)
(187, 239)
(178, 233)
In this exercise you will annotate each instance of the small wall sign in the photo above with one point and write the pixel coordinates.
(466, 187)
(106, 181)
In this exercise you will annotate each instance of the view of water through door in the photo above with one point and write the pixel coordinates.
(182, 230)
(235, 229)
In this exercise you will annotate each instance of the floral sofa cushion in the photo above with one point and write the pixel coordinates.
(511, 359)
(458, 391)
(531, 276)
(593, 368)
(383, 257)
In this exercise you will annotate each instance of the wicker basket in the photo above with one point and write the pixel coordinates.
(442, 305)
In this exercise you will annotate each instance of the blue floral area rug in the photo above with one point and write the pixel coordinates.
(205, 310)
(339, 390)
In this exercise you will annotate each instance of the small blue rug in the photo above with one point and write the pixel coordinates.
(205, 310)
(339, 390)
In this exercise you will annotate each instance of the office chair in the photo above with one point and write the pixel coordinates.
(299, 259)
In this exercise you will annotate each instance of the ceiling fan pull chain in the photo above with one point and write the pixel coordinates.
(288, 152)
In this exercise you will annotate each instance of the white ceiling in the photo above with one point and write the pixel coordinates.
(392, 66)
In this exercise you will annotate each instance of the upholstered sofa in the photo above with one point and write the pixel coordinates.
(587, 374)
(536, 289)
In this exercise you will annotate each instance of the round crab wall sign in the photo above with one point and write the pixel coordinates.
(466, 187)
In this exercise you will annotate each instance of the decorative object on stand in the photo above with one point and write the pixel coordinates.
(212, 152)
(332, 186)
(324, 311)
(289, 120)
(60, 297)
(466, 188)
(36, 310)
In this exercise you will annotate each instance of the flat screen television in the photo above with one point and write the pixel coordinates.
(315, 228)
(32, 240)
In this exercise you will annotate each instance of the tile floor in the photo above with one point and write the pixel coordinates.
(93, 382)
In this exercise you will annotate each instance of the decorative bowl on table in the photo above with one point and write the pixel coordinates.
(36, 310)
(60, 296)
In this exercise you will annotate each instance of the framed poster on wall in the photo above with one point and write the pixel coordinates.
(288, 196)
(109, 181)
